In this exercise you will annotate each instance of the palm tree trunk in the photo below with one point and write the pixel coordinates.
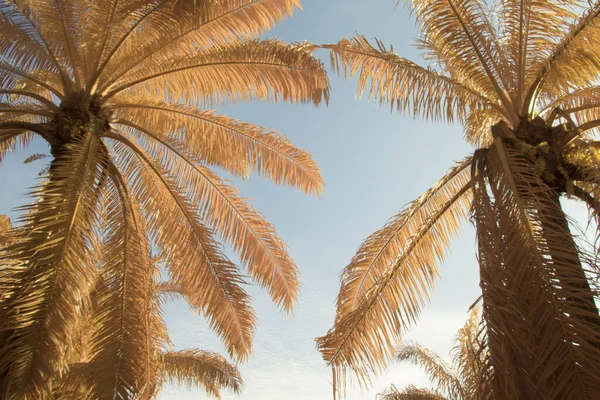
(583, 293)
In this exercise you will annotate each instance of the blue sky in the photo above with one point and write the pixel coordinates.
(373, 162)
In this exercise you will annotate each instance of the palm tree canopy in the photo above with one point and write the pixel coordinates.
(521, 77)
(122, 91)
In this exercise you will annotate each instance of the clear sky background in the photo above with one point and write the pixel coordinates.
(374, 162)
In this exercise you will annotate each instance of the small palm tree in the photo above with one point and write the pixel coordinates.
(193, 367)
(522, 78)
(121, 91)
(461, 381)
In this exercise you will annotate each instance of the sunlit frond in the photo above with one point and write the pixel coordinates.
(234, 220)
(437, 370)
(202, 369)
(214, 139)
(462, 26)
(478, 126)
(191, 25)
(388, 280)
(121, 336)
(530, 29)
(572, 62)
(253, 69)
(403, 84)
(410, 393)
(196, 261)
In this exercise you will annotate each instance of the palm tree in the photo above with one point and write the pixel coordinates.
(461, 381)
(119, 89)
(193, 367)
(521, 77)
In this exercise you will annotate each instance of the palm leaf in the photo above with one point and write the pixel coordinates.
(402, 83)
(253, 69)
(388, 280)
(197, 368)
(196, 261)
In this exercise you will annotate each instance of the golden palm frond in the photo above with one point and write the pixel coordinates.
(437, 370)
(190, 27)
(410, 393)
(461, 25)
(461, 381)
(118, 370)
(470, 356)
(116, 88)
(210, 138)
(241, 71)
(197, 368)
(402, 83)
(159, 364)
(387, 282)
(5, 230)
(196, 261)
(571, 63)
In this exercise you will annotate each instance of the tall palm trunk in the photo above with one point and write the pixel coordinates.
(583, 295)
(537, 303)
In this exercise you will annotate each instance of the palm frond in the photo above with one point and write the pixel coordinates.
(410, 393)
(119, 344)
(202, 369)
(217, 140)
(462, 26)
(234, 220)
(402, 83)
(478, 126)
(572, 63)
(192, 25)
(530, 29)
(254, 69)
(438, 372)
(196, 261)
(388, 280)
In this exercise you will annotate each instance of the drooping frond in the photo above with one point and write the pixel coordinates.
(53, 272)
(234, 220)
(214, 139)
(404, 84)
(543, 340)
(119, 343)
(196, 261)
(410, 393)
(438, 372)
(202, 369)
(388, 280)
(241, 71)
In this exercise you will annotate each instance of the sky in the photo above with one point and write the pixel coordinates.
(374, 162)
